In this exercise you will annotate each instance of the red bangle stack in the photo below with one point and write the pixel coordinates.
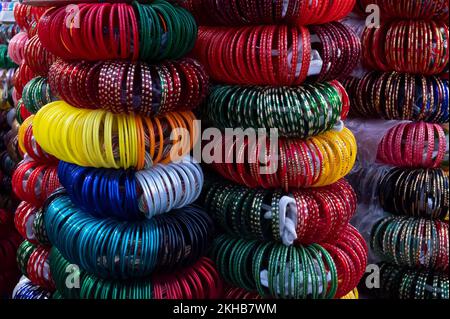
(407, 46)
(128, 87)
(26, 16)
(33, 182)
(38, 58)
(23, 220)
(242, 12)
(202, 281)
(38, 269)
(22, 76)
(413, 145)
(275, 55)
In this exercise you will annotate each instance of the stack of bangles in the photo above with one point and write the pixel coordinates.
(406, 283)
(37, 93)
(33, 261)
(29, 146)
(412, 242)
(34, 182)
(412, 46)
(24, 218)
(314, 215)
(37, 57)
(26, 290)
(199, 281)
(111, 248)
(413, 145)
(130, 87)
(26, 16)
(279, 271)
(292, 163)
(21, 112)
(236, 293)
(5, 60)
(129, 194)
(407, 9)
(415, 192)
(97, 138)
(399, 96)
(104, 31)
(244, 12)
(276, 55)
(301, 111)
(16, 47)
(22, 76)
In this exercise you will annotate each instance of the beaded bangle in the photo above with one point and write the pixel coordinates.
(261, 267)
(155, 31)
(26, 290)
(33, 182)
(147, 85)
(271, 57)
(434, 285)
(418, 193)
(241, 12)
(323, 104)
(127, 249)
(199, 281)
(405, 53)
(405, 9)
(384, 95)
(97, 138)
(227, 205)
(313, 160)
(132, 194)
(405, 242)
(37, 93)
(413, 145)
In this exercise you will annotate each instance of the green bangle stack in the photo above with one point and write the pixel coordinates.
(405, 283)
(301, 111)
(5, 60)
(249, 264)
(36, 94)
(23, 255)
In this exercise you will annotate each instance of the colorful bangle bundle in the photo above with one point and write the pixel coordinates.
(132, 194)
(407, 9)
(34, 182)
(26, 290)
(280, 271)
(301, 111)
(37, 93)
(104, 31)
(415, 192)
(407, 46)
(198, 281)
(127, 249)
(396, 96)
(130, 87)
(37, 57)
(275, 55)
(412, 242)
(29, 146)
(244, 12)
(16, 47)
(318, 161)
(320, 215)
(98, 138)
(413, 145)
(405, 283)
(5, 60)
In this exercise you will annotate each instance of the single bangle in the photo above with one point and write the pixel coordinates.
(166, 238)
